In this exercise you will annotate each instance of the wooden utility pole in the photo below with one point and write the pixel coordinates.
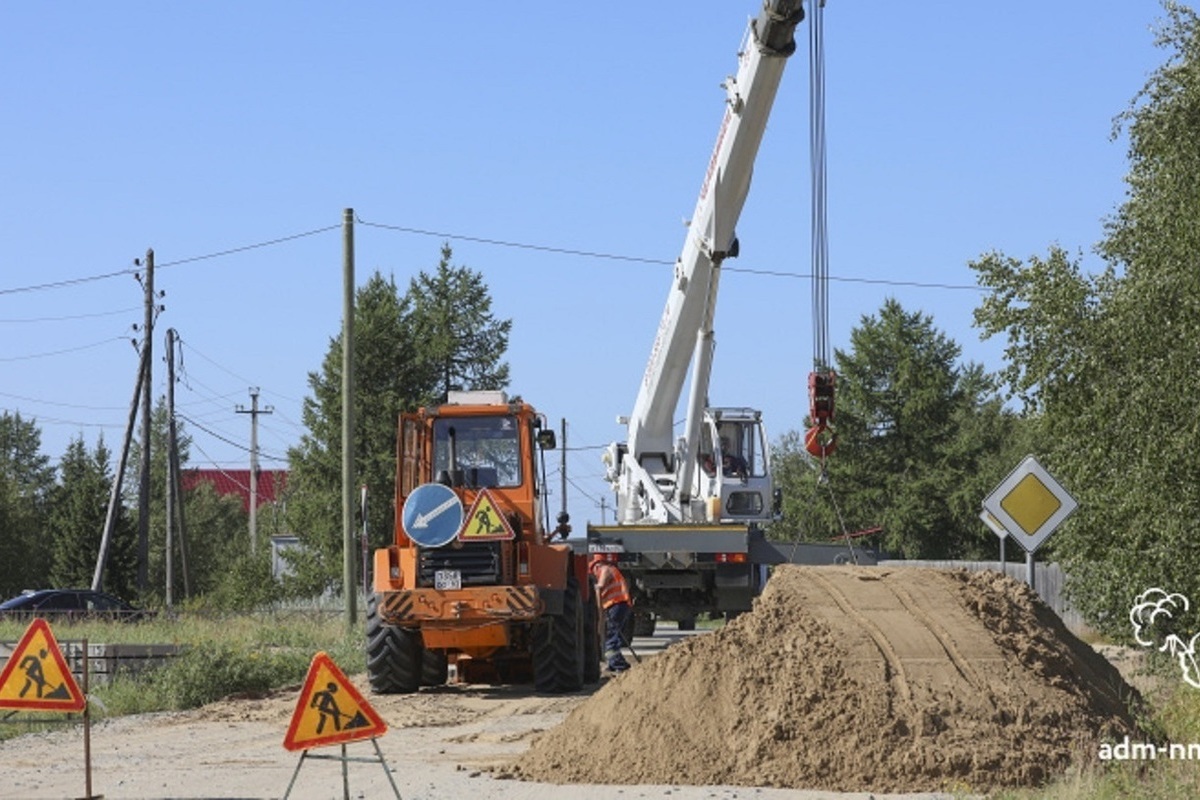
(172, 499)
(349, 590)
(174, 484)
(114, 497)
(254, 411)
(144, 484)
(563, 513)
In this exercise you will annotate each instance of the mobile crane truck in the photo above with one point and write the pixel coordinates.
(472, 579)
(690, 511)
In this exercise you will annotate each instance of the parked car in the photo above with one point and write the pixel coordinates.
(70, 604)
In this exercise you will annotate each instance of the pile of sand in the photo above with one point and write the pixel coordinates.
(853, 679)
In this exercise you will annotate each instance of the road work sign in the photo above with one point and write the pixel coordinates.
(485, 521)
(330, 710)
(37, 677)
(1030, 504)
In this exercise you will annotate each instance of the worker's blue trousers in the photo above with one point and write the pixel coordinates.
(615, 618)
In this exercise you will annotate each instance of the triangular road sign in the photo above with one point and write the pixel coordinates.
(37, 676)
(485, 521)
(330, 710)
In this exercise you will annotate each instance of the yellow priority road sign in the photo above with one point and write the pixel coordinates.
(485, 521)
(330, 710)
(1030, 504)
(37, 677)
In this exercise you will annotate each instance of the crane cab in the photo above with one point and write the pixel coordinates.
(733, 477)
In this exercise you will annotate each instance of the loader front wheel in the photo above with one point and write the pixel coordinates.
(435, 668)
(395, 656)
(592, 631)
(558, 646)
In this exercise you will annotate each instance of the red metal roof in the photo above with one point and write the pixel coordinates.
(271, 483)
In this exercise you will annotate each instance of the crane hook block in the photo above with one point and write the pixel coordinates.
(820, 441)
(820, 397)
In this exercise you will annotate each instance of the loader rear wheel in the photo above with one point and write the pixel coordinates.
(394, 655)
(558, 646)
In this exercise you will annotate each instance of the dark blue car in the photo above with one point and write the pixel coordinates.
(69, 604)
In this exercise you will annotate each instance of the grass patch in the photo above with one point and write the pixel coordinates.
(1174, 718)
(222, 656)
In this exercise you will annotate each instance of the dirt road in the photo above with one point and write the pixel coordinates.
(441, 745)
(850, 680)
(444, 744)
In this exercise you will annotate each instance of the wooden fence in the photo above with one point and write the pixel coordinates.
(106, 660)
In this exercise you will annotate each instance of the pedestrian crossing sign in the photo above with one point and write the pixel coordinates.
(37, 676)
(485, 521)
(330, 710)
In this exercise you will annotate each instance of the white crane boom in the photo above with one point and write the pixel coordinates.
(655, 476)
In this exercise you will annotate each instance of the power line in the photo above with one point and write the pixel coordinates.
(224, 369)
(135, 270)
(59, 404)
(68, 282)
(91, 346)
(71, 317)
(479, 240)
(655, 261)
(519, 245)
(244, 248)
(225, 439)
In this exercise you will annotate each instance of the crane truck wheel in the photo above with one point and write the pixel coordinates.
(394, 655)
(644, 623)
(639, 623)
(558, 644)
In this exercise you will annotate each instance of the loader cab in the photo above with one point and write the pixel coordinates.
(474, 443)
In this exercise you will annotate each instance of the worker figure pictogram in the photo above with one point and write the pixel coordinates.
(486, 526)
(327, 706)
(31, 665)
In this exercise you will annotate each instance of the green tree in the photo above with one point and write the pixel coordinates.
(917, 434)
(408, 352)
(1111, 360)
(461, 341)
(78, 512)
(215, 535)
(26, 480)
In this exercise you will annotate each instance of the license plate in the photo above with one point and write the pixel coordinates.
(447, 579)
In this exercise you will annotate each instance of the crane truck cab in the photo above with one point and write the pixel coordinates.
(730, 482)
(472, 579)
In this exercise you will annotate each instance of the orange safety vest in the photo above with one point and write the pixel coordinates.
(611, 585)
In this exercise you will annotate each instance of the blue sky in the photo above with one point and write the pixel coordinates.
(954, 128)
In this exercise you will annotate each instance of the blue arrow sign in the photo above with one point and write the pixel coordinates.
(432, 515)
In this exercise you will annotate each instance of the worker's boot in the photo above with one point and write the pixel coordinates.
(616, 661)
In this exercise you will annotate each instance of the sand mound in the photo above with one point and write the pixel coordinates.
(853, 679)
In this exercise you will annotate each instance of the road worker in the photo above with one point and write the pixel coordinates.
(617, 604)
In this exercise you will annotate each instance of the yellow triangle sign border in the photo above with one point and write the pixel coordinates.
(74, 699)
(305, 706)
